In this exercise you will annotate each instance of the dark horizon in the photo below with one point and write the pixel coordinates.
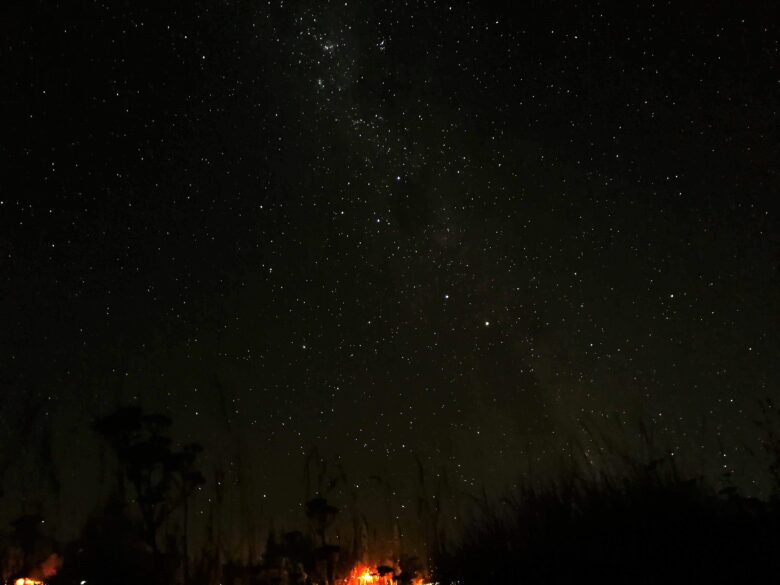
(447, 236)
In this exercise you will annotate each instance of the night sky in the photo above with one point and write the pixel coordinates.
(453, 232)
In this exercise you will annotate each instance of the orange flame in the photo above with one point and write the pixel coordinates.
(364, 575)
(367, 575)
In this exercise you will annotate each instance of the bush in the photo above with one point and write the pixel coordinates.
(649, 526)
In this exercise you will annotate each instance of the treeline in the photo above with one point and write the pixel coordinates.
(142, 532)
(622, 518)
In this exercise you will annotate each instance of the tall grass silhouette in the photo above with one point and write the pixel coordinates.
(637, 521)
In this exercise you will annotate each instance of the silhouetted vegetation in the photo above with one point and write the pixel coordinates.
(111, 549)
(649, 523)
(617, 518)
(162, 478)
(120, 542)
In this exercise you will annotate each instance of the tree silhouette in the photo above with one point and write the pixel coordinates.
(162, 478)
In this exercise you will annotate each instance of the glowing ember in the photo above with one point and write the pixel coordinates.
(26, 581)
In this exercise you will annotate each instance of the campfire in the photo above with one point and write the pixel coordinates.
(27, 581)
(367, 575)
(377, 575)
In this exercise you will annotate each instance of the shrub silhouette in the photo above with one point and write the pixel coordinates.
(650, 526)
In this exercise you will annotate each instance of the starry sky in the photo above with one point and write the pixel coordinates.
(445, 232)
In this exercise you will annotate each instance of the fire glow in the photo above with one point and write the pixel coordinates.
(27, 581)
(368, 575)
(364, 575)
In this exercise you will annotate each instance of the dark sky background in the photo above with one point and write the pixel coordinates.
(456, 231)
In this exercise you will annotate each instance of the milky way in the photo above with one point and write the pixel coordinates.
(394, 232)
